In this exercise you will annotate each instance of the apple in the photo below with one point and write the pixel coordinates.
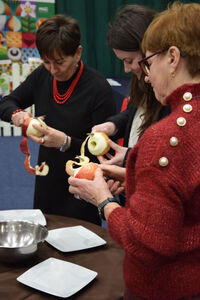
(28, 129)
(86, 171)
(98, 143)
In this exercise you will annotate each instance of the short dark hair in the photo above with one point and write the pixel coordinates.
(59, 34)
(128, 27)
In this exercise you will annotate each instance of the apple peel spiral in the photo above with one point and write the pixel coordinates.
(98, 144)
(28, 129)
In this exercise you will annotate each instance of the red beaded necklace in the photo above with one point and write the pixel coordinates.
(60, 99)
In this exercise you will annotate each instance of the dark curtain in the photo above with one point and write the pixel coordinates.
(93, 17)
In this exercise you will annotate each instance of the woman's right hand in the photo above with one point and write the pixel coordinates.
(19, 118)
(108, 127)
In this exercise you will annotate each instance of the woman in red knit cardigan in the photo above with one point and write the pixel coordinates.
(159, 227)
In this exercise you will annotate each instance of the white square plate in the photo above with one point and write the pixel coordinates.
(31, 215)
(73, 239)
(57, 277)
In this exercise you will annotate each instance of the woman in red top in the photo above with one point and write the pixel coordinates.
(159, 227)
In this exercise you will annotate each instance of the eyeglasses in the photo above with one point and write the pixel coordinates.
(144, 65)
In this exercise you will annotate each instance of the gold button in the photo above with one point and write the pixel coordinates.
(163, 161)
(187, 96)
(181, 121)
(187, 108)
(173, 141)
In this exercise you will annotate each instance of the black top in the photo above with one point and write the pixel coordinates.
(123, 122)
(91, 102)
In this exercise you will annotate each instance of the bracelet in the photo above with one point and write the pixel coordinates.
(64, 147)
(16, 111)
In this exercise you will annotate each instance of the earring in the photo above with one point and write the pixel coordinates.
(172, 74)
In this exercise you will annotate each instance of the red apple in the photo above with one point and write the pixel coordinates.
(98, 143)
(86, 171)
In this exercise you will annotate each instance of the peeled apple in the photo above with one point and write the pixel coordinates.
(28, 129)
(98, 143)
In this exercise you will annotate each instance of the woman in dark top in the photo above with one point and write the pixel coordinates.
(74, 98)
(124, 38)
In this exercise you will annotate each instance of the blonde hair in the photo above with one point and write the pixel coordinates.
(178, 26)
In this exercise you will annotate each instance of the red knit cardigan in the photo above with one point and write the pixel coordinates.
(159, 228)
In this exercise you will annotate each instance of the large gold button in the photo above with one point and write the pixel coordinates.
(163, 161)
(187, 108)
(181, 121)
(187, 96)
(173, 141)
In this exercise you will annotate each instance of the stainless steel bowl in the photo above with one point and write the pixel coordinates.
(20, 240)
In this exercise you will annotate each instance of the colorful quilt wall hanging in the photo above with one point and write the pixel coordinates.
(19, 21)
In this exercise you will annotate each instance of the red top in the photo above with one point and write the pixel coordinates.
(124, 106)
(159, 228)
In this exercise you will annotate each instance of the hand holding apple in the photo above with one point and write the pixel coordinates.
(117, 158)
(108, 128)
(86, 171)
(93, 191)
(19, 116)
(28, 129)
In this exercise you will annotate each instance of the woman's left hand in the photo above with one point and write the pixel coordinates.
(93, 191)
(50, 137)
(118, 159)
(115, 187)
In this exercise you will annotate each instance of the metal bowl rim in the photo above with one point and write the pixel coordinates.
(25, 222)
